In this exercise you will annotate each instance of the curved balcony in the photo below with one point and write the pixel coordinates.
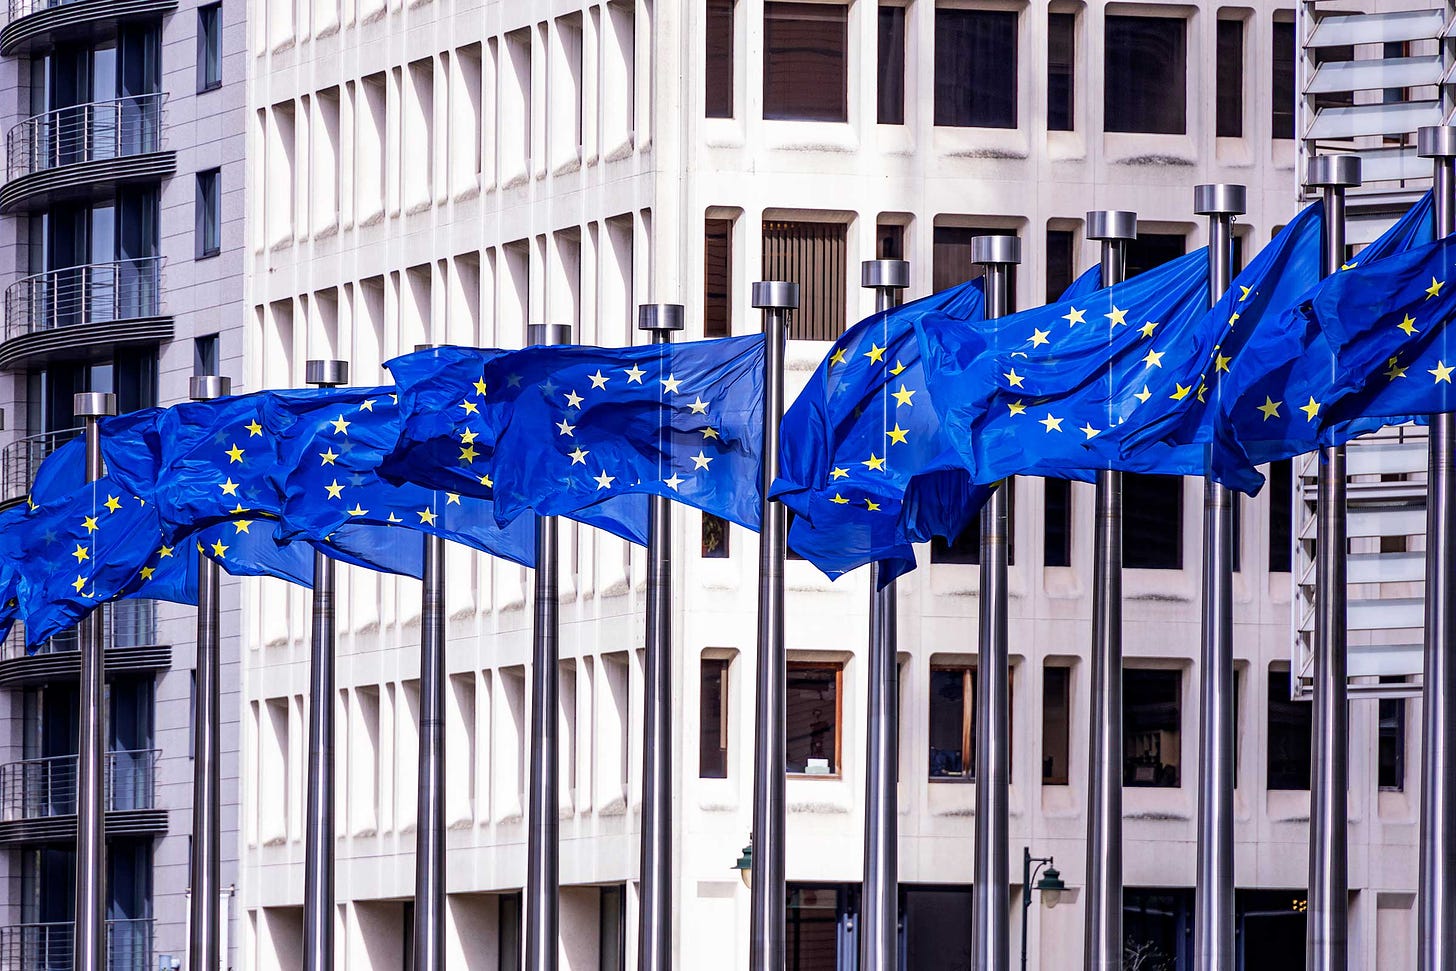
(21, 459)
(47, 947)
(131, 647)
(38, 798)
(77, 311)
(84, 150)
(43, 23)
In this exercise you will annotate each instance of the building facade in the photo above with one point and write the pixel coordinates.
(449, 171)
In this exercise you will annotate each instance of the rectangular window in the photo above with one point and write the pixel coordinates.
(1281, 114)
(1056, 724)
(805, 63)
(1152, 727)
(209, 213)
(1146, 76)
(715, 537)
(889, 241)
(612, 929)
(717, 277)
(1229, 80)
(950, 258)
(952, 723)
(812, 718)
(1152, 522)
(713, 719)
(1061, 71)
(1290, 724)
(1281, 510)
(813, 255)
(209, 46)
(1057, 523)
(508, 931)
(1391, 757)
(890, 90)
(1061, 268)
(204, 355)
(975, 68)
(818, 920)
(1154, 249)
(966, 548)
(718, 77)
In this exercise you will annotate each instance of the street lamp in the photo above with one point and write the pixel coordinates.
(744, 866)
(1050, 885)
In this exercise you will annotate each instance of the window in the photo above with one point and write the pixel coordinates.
(718, 77)
(805, 67)
(1152, 522)
(1061, 71)
(713, 719)
(612, 929)
(209, 213)
(966, 548)
(209, 47)
(1056, 724)
(1061, 250)
(811, 705)
(1152, 727)
(1391, 758)
(975, 68)
(1154, 249)
(1281, 114)
(950, 258)
(1281, 510)
(890, 241)
(717, 277)
(1229, 80)
(953, 721)
(1290, 724)
(890, 90)
(818, 919)
(813, 255)
(1146, 76)
(1057, 523)
(935, 925)
(204, 355)
(508, 931)
(715, 537)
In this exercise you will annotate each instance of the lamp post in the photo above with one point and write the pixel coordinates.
(1050, 885)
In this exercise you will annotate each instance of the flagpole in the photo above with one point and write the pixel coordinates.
(1437, 888)
(880, 906)
(1327, 927)
(89, 942)
(991, 934)
(1213, 927)
(204, 936)
(767, 896)
(1103, 932)
(654, 948)
(543, 873)
(318, 857)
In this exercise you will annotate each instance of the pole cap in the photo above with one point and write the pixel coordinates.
(93, 404)
(205, 387)
(1333, 172)
(1111, 224)
(1436, 141)
(425, 347)
(545, 335)
(996, 249)
(775, 295)
(326, 374)
(661, 316)
(884, 274)
(1221, 199)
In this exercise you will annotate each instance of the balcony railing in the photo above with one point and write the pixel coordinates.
(44, 788)
(94, 293)
(47, 947)
(21, 458)
(85, 133)
(129, 623)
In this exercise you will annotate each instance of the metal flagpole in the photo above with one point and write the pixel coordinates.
(543, 874)
(880, 907)
(1327, 926)
(1103, 932)
(318, 856)
(89, 942)
(991, 934)
(1437, 894)
(767, 895)
(654, 947)
(204, 936)
(1213, 927)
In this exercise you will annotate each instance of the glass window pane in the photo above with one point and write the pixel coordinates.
(812, 255)
(715, 537)
(1061, 250)
(1056, 704)
(891, 87)
(1281, 509)
(718, 77)
(1392, 740)
(717, 277)
(950, 728)
(209, 46)
(975, 68)
(811, 704)
(1289, 736)
(889, 241)
(1152, 728)
(805, 69)
(1057, 525)
(1281, 114)
(1061, 71)
(1230, 79)
(713, 719)
(1154, 249)
(1146, 75)
(1152, 522)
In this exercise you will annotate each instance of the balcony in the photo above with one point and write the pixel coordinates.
(20, 460)
(76, 311)
(131, 646)
(38, 798)
(47, 947)
(84, 150)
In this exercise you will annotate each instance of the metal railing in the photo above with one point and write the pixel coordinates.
(85, 133)
(129, 623)
(47, 947)
(93, 293)
(44, 788)
(20, 460)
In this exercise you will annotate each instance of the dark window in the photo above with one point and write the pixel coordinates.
(1236, 531)
(204, 355)
(936, 932)
(1281, 509)
(1057, 523)
(1229, 122)
(805, 71)
(717, 277)
(1281, 117)
(713, 719)
(1154, 249)
(819, 918)
(1056, 724)
(1393, 50)
(1061, 250)
(715, 537)
(209, 213)
(1146, 77)
(718, 78)
(966, 548)
(891, 89)
(1152, 727)
(975, 68)
(1061, 71)
(812, 255)
(612, 929)
(1392, 740)
(508, 930)
(811, 706)
(1157, 928)
(209, 47)
(952, 723)
(1289, 736)
(1152, 522)
(889, 241)
(950, 258)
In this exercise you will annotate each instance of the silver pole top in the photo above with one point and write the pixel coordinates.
(888, 274)
(205, 387)
(542, 335)
(996, 249)
(1436, 141)
(775, 295)
(94, 404)
(1221, 199)
(425, 347)
(1111, 224)
(661, 316)
(326, 374)
(1333, 172)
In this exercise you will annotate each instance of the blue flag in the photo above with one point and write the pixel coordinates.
(62, 471)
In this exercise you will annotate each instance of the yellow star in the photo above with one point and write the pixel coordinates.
(1118, 316)
(670, 385)
(485, 480)
(1434, 290)
(368, 403)
(147, 572)
(327, 456)
(81, 553)
(164, 552)
(468, 437)
(903, 396)
(234, 454)
(1395, 370)
(1014, 379)
(1147, 329)
(427, 517)
(1143, 395)
(241, 525)
(897, 369)
(335, 490)
(1017, 408)
(838, 500)
(876, 353)
(1051, 423)
(1075, 317)
(1442, 372)
(218, 549)
(237, 510)
(1039, 337)
(452, 498)
(700, 461)
(468, 454)
(341, 425)
(229, 488)
(674, 482)
(839, 474)
(598, 380)
(573, 400)
(1180, 391)
(699, 406)
(90, 523)
(578, 455)
(358, 510)
(871, 506)
(634, 374)
(471, 408)
(1089, 431)
(254, 429)
(1408, 325)
(1246, 291)
(80, 582)
(1310, 410)
(1221, 362)
(1154, 359)
(112, 503)
(837, 357)
(564, 427)
(875, 463)
(897, 434)
(480, 386)
(1234, 318)
(1270, 408)
(604, 481)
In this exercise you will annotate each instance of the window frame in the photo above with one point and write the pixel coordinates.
(1067, 668)
(1180, 681)
(838, 764)
(1181, 16)
(968, 671)
(768, 64)
(1014, 72)
(208, 200)
(724, 666)
(209, 45)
